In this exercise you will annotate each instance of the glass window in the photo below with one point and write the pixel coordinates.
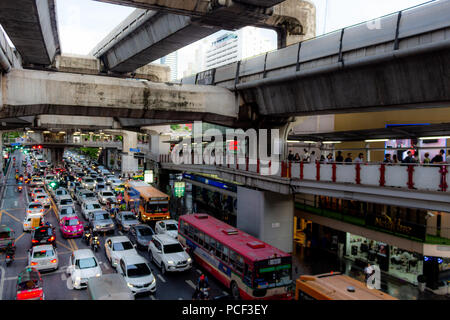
(86, 263)
(173, 248)
(201, 238)
(194, 234)
(207, 244)
(219, 249)
(138, 270)
(225, 254)
(213, 246)
(122, 246)
(240, 264)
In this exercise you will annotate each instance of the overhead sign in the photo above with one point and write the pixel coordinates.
(180, 187)
(135, 150)
(148, 176)
(16, 144)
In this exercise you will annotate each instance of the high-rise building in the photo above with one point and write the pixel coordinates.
(170, 60)
(230, 47)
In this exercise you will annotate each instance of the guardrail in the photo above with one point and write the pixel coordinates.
(432, 177)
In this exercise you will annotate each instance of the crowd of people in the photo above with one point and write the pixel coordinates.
(440, 158)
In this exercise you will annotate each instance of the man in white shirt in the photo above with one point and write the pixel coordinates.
(312, 157)
(360, 158)
(369, 272)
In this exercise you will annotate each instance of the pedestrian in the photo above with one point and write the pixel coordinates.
(447, 160)
(360, 158)
(290, 156)
(349, 158)
(306, 156)
(339, 157)
(312, 157)
(427, 159)
(322, 158)
(394, 159)
(387, 158)
(439, 158)
(408, 158)
(369, 273)
(297, 157)
(329, 158)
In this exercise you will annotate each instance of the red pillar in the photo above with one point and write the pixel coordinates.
(333, 177)
(290, 170)
(246, 164)
(358, 173)
(410, 170)
(257, 166)
(317, 170)
(382, 175)
(443, 171)
(301, 170)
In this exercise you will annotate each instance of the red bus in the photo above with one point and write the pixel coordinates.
(251, 268)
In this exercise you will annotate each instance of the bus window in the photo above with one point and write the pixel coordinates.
(207, 242)
(239, 264)
(233, 258)
(194, 234)
(201, 237)
(219, 249)
(248, 275)
(157, 207)
(213, 246)
(225, 254)
(190, 230)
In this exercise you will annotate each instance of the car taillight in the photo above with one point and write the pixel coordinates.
(29, 211)
(34, 241)
(30, 294)
(33, 263)
(42, 210)
(53, 261)
(52, 238)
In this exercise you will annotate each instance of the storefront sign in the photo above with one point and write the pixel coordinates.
(396, 225)
(148, 176)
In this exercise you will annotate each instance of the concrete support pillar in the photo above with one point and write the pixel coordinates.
(266, 215)
(56, 156)
(129, 163)
(295, 21)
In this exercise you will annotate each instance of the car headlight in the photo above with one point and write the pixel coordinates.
(189, 260)
(170, 262)
(154, 280)
(98, 275)
(97, 227)
(130, 285)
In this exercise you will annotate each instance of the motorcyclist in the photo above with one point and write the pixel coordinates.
(87, 234)
(94, 239)
(10, 250)
(202, 283)
(19, 186)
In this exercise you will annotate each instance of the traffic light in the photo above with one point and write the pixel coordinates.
(53, 184)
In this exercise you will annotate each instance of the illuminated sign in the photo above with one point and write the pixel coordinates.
(148, 176)
(180, 187)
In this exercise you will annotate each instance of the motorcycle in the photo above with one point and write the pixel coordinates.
(19, 188)
(95, 243)
(87, 237)
(9, 256)
(201, 293)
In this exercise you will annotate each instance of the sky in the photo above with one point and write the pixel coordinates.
(84, 23)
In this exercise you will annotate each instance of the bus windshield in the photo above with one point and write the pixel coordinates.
(157, 207)
(270, 277)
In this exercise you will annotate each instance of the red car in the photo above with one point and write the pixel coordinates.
(29, 285)
(71, 227)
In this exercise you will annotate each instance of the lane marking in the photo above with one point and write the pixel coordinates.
(60, 270)
(152, 297)
(161, 278)
(2, 281)
(11, 216)
(199, 271)
(191, 284)
(74, 244)
(62, 244)
(17, 239)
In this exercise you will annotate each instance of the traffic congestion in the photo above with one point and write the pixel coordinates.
(65, 228)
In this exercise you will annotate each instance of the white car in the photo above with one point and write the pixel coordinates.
(36, 182)
(114, 183)
(168, 254)
(83, 265)
(66, 211)
(60, 192)
(42, 198)
(35, 208)
(28, 221)
(44, 257)
(88, 183)
(65, 201)
(169, 227)
(118, 247)
(104, 196)
(38, 190)
(137, 273)
(88, 207)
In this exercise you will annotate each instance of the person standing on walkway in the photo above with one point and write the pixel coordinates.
(306, 156)
(369, 273)
(427, 160)
(349, 158)
(339, 157)
(360, 158)
(439, 158)
(290, 156)
(387, 158)
(312, 157)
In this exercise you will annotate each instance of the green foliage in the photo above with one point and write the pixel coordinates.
(90, 152)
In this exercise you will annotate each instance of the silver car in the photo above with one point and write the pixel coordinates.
(60, 192)
(43, 257)
(66, 211)
(106, 195)
(101, 221)
(88, 183)
(35, 208)
(88, 207)
(137, 273)
(125, 220)
(65, 201)
(42, 198)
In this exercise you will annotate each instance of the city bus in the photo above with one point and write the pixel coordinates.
(335, 286)
(148, 202)
(251, 268)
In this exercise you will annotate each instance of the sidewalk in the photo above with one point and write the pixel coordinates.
(316, 261)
